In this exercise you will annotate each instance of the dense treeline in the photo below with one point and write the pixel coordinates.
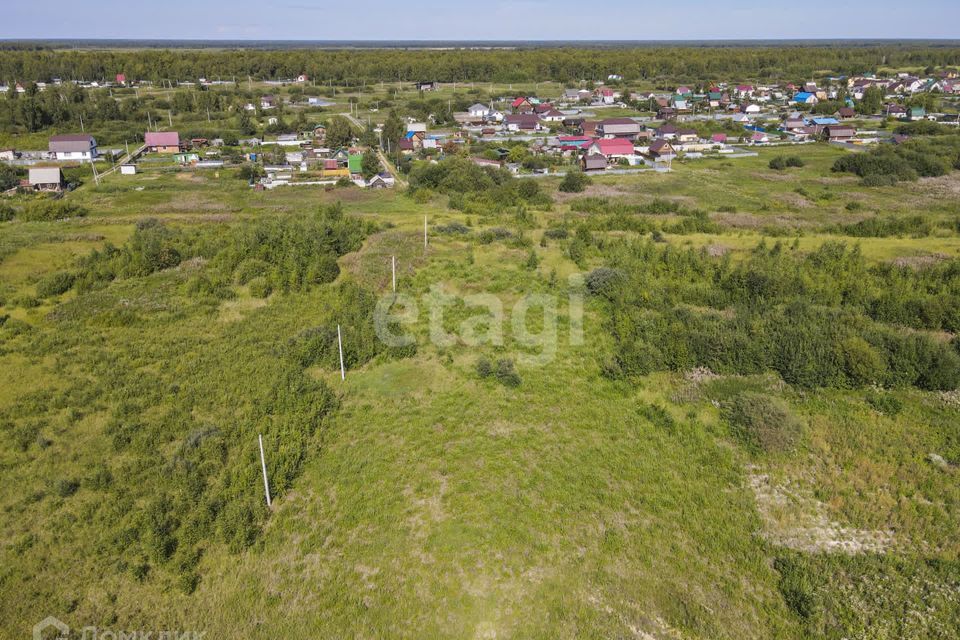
(821, 320)
(560, 64)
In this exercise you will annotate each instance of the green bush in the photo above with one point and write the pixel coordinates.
(484, 368)
(574, 182)
(762, 423)
(862, 362)
(506, 373)
(54, 284)
(7, 212)
(260, 287)
(605, 282)
(46, 209)
(886, 403)
(796, 586)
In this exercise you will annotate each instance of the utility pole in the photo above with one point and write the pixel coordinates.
(263, 465)
(96, 176)
(343, 373)
(81, 124)
(170, 118)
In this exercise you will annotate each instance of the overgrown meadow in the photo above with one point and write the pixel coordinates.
(756, 438)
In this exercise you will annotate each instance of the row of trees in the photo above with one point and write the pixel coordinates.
(689, 64)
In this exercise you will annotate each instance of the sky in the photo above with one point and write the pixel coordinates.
(480, 20)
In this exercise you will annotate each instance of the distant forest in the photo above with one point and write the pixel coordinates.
(350, 67)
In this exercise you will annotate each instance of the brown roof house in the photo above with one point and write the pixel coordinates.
(73, 146)
(594, 162)
(162, 141)
(46, 179)
(839, 133)
(661, 148)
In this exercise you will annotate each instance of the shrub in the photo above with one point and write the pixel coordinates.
(496, 233)
(796, 586)
(249, 269)
(574, 182)
(506, 373)
(886, 403)
(862, 363)
(54, 284)
(484, 368)
(656, 415)
(260, 287)
(794, 161)
(762, 423)
(605, 282)
(66, 487)
(556, 233)
(46, 209)
(453, 228)
(6, 212)
(778, 163)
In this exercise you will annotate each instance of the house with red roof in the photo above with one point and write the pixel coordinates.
(612, 148)
(522, 105)
(606, 95)
(162, 141)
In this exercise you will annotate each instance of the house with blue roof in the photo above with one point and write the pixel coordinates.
(805, 97)
(822, 122)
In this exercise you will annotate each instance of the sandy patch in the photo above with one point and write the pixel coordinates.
(793, 518)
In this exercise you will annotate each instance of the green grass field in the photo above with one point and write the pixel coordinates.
(432, 502)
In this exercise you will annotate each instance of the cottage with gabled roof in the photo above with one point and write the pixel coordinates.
(162, 141)
(46, 179)
(73, 146)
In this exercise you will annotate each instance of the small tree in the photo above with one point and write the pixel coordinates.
(339, 132)
(574, 182)
(370, 165)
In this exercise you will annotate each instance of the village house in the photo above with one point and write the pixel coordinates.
(805, 97)
(8, 155)
(522, 122)
(667, 131)
(662, 149)
(593, 162)
(522, 105)
(687, 136)
(427, 86)
(162, 141)
(618, 128)
(46, 179)
(268, 102)
(552, 115)
(73, 146)
(605, 95)
(612, 148)
(479, 111)
(839, 133)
